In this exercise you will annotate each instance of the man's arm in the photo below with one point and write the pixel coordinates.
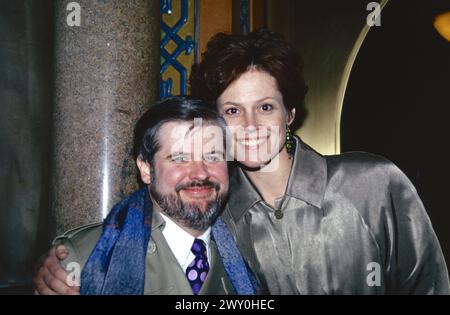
(50, 277)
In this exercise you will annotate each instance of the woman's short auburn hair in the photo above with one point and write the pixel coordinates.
(227, 57)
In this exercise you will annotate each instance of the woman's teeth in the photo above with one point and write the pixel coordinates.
(251, 142)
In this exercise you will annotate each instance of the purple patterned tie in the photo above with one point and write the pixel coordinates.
(198, 269)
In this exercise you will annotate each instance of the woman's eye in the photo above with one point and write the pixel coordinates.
(231, 111)
(266, 107)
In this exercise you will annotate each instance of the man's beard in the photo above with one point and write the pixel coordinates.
(189, 214)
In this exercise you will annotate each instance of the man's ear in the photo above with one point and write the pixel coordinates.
(144, 169)
(291, 116)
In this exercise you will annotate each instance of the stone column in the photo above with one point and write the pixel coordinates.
(106, 75)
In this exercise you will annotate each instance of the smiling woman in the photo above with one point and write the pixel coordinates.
(259, 123)
(344, 224)
(259, 89)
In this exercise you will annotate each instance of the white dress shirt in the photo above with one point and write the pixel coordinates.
(180, 242)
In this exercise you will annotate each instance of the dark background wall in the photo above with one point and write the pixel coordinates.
(25, 119)
(395, 105)
(397, 102)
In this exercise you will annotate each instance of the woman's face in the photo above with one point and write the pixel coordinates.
(253, 108)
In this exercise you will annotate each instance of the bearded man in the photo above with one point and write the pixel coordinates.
(166, 238)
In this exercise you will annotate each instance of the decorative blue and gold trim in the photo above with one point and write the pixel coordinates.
(178, 46)
(244, 16)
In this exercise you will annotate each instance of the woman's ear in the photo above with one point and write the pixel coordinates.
(291, 116)
(144, 169)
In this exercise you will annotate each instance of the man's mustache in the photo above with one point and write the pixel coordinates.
(198, 183)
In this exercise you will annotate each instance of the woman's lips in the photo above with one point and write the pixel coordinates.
(252, 143)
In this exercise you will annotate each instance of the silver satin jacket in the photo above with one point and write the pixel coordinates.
(351, 224)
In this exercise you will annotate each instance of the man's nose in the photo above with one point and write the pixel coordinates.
(198, 170)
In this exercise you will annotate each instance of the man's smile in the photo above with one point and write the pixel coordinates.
(200, 192)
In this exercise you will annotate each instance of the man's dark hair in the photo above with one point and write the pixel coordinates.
(227, 57)
(177, 108)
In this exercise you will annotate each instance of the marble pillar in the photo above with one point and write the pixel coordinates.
(106, 75)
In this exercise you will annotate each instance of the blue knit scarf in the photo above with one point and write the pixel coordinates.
(117, 263)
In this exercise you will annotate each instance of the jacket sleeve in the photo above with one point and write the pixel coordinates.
(416, 264)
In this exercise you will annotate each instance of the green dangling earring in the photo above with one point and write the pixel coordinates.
(290, 144)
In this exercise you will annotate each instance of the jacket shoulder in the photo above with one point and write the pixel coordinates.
(80, 242)
(356, 158)
(367, 183)
(80, 231)
(362, 165)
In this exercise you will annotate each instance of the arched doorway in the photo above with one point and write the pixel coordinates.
(397, 98)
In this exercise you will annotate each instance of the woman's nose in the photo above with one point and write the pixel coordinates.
(249, 121)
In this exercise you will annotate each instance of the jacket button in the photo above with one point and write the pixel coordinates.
(151, 247)
(279, 214)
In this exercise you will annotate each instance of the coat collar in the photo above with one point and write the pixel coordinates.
(307, 182)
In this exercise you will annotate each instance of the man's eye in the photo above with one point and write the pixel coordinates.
(180, 159)
(266, 107)
(231, 111)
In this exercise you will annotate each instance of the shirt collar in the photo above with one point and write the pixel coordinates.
(180, 241)
(307, 182)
